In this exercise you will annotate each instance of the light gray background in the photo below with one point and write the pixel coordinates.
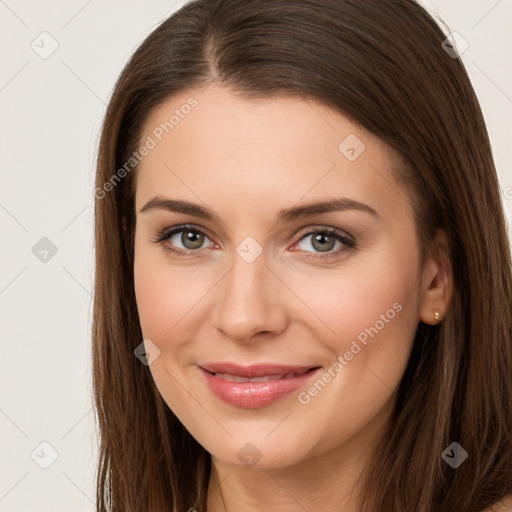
(51, 113)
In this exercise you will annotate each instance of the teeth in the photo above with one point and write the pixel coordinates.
(237, 378)
(265, 378)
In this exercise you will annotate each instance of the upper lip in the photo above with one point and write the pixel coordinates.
(254, 370)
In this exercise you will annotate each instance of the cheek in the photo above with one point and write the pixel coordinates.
(154, 298)
(165, 298)
(357, 296)
(366, 313)
(368, 321)
(164, 292)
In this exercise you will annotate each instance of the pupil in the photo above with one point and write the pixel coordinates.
(192, 240)
(322, 247)
(325, 243)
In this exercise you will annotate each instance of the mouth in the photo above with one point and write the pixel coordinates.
(265, 378)
(257, 385)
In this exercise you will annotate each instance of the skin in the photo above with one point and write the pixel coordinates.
(246, 160)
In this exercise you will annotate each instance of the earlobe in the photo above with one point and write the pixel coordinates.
(437, 283)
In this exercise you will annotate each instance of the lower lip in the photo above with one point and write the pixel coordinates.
(252, 395)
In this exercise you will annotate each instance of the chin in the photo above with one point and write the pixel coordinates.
(258, 454)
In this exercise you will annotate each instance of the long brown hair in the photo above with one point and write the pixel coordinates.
(383, 64)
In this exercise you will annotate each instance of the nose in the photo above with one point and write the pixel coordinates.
(248, 301)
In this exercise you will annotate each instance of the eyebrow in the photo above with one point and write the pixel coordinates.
(285, 215)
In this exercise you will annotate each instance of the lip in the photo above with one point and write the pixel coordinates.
(252, 395)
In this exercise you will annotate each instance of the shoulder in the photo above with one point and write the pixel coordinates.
(504, 505)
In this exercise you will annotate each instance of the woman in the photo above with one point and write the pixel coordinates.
(303, 278)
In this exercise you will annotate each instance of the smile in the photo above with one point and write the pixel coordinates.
(265, 378)
(254, 386)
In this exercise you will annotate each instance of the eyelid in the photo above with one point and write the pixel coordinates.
(167, 232)
(340, 235)
(347, 240)
(323, 229)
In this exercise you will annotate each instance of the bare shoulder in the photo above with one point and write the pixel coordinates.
(504, 505)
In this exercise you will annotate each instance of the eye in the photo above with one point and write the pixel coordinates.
(182, 239)
(323, 242)
(185, 240)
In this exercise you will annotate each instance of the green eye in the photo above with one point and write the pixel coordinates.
(323, 241)
(185, 240)
(190, 238)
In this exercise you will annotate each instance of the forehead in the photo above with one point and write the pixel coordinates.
(213, 142)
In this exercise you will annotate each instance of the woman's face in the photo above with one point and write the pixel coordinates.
(260, 279)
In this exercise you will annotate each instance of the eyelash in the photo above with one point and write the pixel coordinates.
(348, 242)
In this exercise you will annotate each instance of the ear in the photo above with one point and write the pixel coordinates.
(437, 281)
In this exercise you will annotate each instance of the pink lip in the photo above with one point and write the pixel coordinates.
(252, 395)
